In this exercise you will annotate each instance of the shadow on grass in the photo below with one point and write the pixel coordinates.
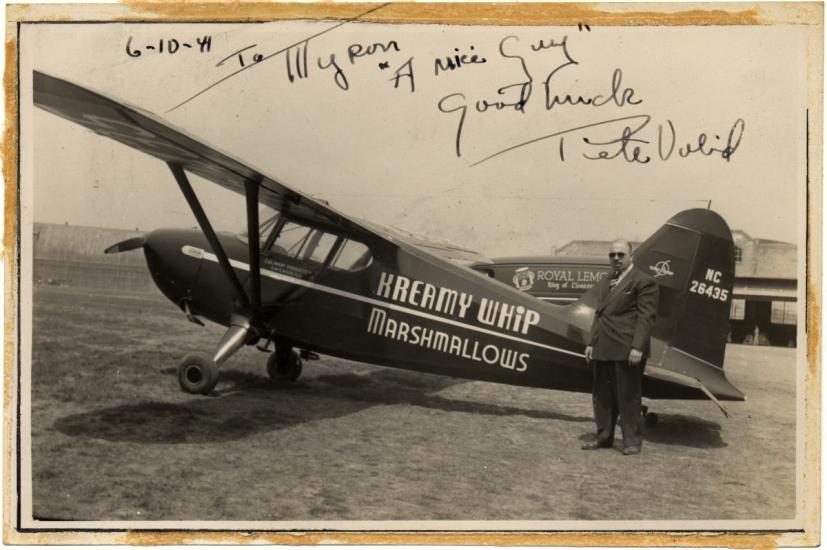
(674, 429)
(686, 431)
(253, 404)
(377, 393)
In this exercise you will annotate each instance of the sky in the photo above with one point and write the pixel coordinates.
(410, 152)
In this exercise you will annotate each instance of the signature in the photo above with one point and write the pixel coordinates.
(631, 146)
(629, 142)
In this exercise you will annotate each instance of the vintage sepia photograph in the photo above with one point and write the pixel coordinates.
(354, 269)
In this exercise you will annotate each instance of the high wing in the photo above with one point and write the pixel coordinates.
(147, 133)
(442, 249)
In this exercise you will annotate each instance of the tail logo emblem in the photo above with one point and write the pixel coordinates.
(661, 269)
(523, 279)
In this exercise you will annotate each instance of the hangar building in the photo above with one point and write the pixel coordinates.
(765, 290)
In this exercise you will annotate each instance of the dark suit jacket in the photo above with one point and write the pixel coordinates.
(624, 317)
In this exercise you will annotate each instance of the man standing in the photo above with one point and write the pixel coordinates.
(627, 301)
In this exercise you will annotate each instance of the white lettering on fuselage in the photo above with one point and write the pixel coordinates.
(426, 338)
(381, 324)
(400, 288)
(423, 295)
(507, 316)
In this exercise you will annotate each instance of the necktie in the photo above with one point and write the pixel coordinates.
(613, 281)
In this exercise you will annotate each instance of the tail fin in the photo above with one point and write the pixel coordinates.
(692, 258)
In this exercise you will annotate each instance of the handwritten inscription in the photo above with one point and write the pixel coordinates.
(633, 141)
(240, 56)
(300, 62)
(355, 51)
(200, 44)
(545, 79)
(457, 61)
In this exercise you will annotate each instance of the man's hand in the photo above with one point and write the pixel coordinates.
(635, 357)
(588, 354)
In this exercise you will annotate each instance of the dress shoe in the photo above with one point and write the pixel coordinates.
(592, 445)
(632, 450)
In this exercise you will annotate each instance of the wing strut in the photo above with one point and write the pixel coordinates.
(251, 192)
(209, 233)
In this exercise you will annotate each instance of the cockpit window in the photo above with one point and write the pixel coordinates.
(267, 225)
(319, 246)
(287, 238)
(352, 256)
(265, 231)
(291, 239)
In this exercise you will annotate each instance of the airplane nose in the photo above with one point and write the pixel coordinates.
(173, 271)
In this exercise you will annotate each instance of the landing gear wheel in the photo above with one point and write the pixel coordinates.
(650, 419)
(197, 374)
(284, 367)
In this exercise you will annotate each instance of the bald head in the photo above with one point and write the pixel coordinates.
(623, 243)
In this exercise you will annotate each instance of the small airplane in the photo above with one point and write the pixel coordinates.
(313, 279)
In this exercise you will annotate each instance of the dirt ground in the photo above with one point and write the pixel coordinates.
(113, 438)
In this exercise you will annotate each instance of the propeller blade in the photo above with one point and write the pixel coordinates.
(128, 244)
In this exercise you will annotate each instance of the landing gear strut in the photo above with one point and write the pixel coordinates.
(284, 364)
(198, 374)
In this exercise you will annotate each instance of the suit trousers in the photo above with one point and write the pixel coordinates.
(617, 389)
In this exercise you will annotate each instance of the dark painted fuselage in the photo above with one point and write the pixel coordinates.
(404, 309)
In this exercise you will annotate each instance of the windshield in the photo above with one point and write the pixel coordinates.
(265, 228)
(287, 238)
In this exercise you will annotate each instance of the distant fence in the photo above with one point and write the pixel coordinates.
(93, 275)
(73, 256)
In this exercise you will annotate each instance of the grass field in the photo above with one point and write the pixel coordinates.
(113, 438)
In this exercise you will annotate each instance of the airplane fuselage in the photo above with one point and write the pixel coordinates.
(428, 319)
(401, 310)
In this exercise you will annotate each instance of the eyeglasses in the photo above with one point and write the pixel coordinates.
(613, 255)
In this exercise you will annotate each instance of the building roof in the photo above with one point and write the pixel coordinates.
(588, 249)
(552, 260)
(759, 258)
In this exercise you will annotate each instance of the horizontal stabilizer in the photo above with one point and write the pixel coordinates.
(678, 367)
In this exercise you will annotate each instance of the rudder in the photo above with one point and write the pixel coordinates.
(692, 258)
